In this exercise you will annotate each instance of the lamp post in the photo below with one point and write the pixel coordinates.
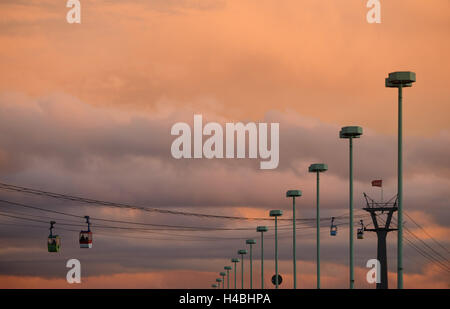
(218, 280)
(318, 168)
(235, 261)
(251, 242)
(262, 229)
(214, 286)
(400, 80)
(276, 213)
(242, 252)
(350, 133)
(228, 268)
(294, 194)
(223, 274)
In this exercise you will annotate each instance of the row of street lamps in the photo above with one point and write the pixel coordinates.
(346, 132)
(394, 80)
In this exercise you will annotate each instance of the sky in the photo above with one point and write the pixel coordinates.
(86, 109)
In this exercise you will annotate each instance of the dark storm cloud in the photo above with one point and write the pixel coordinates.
(62, 143)
(68, 130)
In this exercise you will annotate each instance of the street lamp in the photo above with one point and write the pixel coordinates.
(223, 274)
(214, 286)
(350, 133)
(251, 242)
(400, 80)
(235, 261)
(218, 280)
(276, 213)
(228, 268)
(318, 168)
(242, 252)
(262, 229)
(293, 194)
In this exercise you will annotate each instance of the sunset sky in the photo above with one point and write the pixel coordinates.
(86, 109)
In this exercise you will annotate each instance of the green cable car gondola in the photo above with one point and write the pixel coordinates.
(53, 242)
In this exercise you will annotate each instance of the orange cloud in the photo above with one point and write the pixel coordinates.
(306, 56)
(334, 276)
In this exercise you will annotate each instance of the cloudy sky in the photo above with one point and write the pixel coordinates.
(86, 109)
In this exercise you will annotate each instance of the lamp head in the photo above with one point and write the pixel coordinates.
(235, 260)
(242, 251)
(222, 273)
(276, 213)
(318, 167)
(401, 78)
(351, 132)
(250, 242)
(293, 193)
(262, 229)
(227, 268)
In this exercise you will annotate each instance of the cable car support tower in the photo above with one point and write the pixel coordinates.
(382, 229)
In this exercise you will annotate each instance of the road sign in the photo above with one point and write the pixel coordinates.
(280, 279)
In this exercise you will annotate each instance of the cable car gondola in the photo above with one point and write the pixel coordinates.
(333, 228)
(53, 242)
(86, 236)
(360, 232)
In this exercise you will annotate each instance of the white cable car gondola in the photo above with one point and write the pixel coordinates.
(333, 228)
(360, 233)
(53, 241)
(86, 236)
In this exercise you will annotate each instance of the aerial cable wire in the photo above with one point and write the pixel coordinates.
(15, 188)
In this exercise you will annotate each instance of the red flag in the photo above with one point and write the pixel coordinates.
(377, 183)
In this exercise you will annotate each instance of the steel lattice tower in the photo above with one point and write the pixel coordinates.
(382, 229)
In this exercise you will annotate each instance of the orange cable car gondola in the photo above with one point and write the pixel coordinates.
(86, 236)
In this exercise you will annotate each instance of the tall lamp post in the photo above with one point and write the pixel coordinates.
(318, 168)
(251, 242)
(223, 274)
(400, 80)
(350, 133)
(276, 213)
(294, 194)
(262, 229)
(235, 261)
(242, 252)
(228, 268)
